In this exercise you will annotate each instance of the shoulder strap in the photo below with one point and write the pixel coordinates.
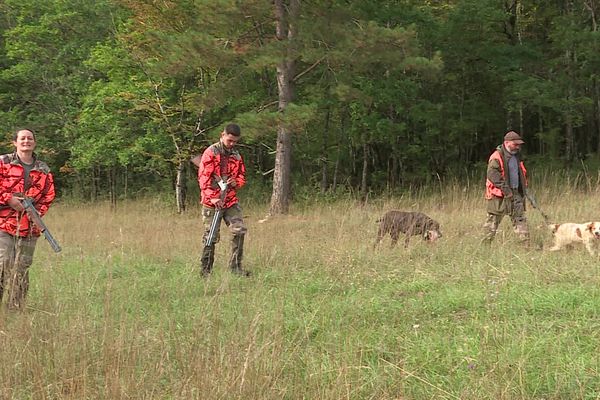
(7, 159)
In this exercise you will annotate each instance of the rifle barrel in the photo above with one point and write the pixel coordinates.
(216, 222)
(214, 227)
(37, 219)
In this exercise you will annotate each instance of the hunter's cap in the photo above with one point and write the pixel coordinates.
(513, 137)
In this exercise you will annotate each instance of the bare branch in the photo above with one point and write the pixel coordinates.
(307, 70)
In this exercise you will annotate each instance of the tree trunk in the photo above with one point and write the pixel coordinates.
(94, 183)
(112, 184)
(126, 182)
(280, 197)
(569, 135)
(597, 118)
(591, 6)
(365, 169)
(519, 13)
(515, 8)
(338, 156)
(569, 138)
(325, 153)
(393, 167)
(286, 29)
(541, 147)
(180, 187)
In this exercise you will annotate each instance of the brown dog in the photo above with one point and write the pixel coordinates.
(410, 223)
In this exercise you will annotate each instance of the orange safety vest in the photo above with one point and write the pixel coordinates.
(492, 190)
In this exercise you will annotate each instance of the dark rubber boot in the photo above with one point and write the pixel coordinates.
(207, 260)
(237, 252)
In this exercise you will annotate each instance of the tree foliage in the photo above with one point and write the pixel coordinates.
(386, 93)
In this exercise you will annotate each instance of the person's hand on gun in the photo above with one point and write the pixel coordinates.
(507, 192)
(15, 202)
(220, 201)
(231, 182)
(217, 202)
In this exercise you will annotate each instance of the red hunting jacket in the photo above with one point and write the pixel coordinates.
(41, 191)
(217, 162)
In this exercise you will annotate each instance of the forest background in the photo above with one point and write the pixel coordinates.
(354, 96)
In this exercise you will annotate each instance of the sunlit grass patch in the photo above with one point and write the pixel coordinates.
(123, 312)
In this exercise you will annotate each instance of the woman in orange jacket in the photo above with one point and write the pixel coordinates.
(21, 175)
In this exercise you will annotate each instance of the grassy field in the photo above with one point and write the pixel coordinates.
(122, 312)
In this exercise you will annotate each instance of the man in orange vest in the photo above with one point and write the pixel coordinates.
(506, 187)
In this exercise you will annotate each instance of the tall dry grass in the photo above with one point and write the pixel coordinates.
(123, 313)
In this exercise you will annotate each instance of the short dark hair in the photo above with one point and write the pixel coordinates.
(233, 129)
(15, 134)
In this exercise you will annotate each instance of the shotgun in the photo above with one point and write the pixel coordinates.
(216, 221)
(34, 216)
(535, 205)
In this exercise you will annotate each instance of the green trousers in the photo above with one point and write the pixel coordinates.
(16, 256)
(234, 220)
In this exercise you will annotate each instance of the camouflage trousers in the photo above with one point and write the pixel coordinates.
(515, 209)
(16, 256)
(234, 220)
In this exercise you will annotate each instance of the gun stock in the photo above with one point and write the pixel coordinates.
(34, 215)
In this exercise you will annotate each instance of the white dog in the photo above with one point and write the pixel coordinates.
(569, 233)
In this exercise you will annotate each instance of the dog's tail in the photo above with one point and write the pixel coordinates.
(553, 227)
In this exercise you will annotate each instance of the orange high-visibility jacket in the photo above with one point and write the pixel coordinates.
(491, 190)
(40, 190)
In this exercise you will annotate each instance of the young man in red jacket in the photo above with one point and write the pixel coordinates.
(222, 162)
(21, 175)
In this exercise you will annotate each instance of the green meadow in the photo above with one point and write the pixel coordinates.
(122, 312)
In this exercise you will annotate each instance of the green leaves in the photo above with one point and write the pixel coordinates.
(382, 88)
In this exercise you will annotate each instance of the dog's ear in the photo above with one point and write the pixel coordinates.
(432, 225)
(590, 227)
